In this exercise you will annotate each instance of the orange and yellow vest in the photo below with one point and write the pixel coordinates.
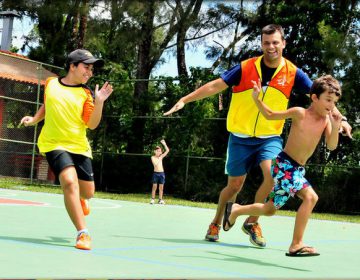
(67, 111)
(244, 117)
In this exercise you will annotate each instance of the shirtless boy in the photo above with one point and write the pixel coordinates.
(158, 177)
(308, 126)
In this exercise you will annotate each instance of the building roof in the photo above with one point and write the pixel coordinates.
(19, 68)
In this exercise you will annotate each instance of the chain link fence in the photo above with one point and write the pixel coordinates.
(195, 172)
(21, 93)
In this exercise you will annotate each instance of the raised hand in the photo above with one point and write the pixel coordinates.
(27, 121)
(104, 93)
(178, 106)
(345, 129)
(256, 89)
(335, 119)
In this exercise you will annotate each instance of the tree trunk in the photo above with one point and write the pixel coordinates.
(181, 62)
(141, 103)
(74, 16)
(185, 19)
(84, 10)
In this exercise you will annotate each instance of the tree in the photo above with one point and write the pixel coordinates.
(186, 18)
(60, 27)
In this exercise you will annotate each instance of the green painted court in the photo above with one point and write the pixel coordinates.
(136, 240)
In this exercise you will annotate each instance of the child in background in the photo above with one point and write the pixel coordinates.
(158, 178)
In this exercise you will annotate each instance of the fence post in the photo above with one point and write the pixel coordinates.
(35, 129)
(102, 157)
(187, 168)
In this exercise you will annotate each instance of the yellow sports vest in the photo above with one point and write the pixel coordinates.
(244, 116)
(67, 110)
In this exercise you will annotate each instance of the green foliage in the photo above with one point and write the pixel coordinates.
(334, 46)
(322, 37)
(336, 187)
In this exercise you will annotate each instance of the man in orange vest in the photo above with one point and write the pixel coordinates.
(253, 140)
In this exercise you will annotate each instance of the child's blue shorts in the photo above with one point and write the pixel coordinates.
(158, 178)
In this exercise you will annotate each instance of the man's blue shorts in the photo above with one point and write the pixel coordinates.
(243, 153)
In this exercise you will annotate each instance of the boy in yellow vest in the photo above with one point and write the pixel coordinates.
(69, 109)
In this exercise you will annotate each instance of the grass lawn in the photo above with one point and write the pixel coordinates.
(7, 183)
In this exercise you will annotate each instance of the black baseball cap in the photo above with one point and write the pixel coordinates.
(84, 56)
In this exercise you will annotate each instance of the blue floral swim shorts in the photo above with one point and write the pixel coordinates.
(289, 179)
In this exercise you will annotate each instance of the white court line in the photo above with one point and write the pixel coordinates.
(49, 205)
(110, 205)
(8, 194)
(24, 205)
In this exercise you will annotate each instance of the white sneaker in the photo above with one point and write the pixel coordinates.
(161, 201)
(152, 201)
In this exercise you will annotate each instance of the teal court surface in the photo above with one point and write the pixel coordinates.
(137, 240)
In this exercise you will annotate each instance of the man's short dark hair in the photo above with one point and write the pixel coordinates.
(67, 65)
(271, 29)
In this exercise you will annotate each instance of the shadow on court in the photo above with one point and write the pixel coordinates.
(136, 240)
(54, 241)
(221, 257)
(183, 241)
(242, 260)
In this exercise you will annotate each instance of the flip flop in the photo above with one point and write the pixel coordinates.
(226, 216)
(302, 253)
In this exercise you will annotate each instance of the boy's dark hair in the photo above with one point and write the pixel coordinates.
(67, 65)
(157, 148)
(271, 29)
(326, 83)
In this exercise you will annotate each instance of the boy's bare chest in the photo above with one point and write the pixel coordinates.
(312, 127)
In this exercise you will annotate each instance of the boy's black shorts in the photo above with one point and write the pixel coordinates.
(59, 159)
